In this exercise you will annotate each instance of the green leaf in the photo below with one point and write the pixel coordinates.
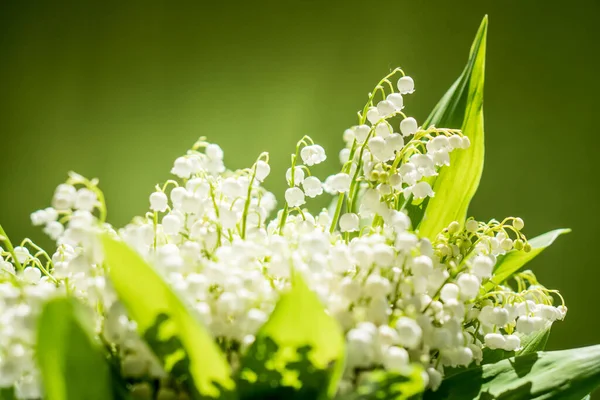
(7, 393)
(535, 342)
(564, 375)
(514, 260)
(298, 353)
(460, 108)
(530, 344)
(70, 359)
(383, 385)
(180, 342)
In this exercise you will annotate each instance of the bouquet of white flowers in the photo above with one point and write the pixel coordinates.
(391, 293)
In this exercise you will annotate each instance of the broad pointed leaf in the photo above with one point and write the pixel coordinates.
(178, 339)
(70, 358)
(514, 260)
(564, 375)
(298, 353)
(460, 108)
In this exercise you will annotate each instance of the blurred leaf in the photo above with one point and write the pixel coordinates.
(383, 385)
(461, 107)
(7, 393)
(70, 359)
(178, 339)
(511, 262)
(565, 375)
(298, 353)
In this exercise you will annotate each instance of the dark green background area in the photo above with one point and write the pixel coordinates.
(118, 90)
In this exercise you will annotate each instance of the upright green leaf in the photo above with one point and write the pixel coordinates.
(514, 260)
(184, 347)
(70, 359)
(298, 353)
(460, 108)
(564, 375)
(535, 342)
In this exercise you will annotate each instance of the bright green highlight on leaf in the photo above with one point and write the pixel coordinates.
(70, 359)
(298, 320)
(148, 298)
(564, 375)
(510, 263)
(461, 107)
(391, 385)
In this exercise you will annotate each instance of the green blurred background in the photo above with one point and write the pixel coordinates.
(117, 90)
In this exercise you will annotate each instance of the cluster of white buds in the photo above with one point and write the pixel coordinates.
(25, 285)
(399, 298)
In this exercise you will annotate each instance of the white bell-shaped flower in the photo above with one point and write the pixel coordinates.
(385, 108)
(469, 286)
(450, 291)
(349, 136)
(159, 201)
(465, 142)
(383, 129)
(349, 222)
(394, 142)
(396, 99)
(22, 254)
(263, 170)
(422, 189)
(362, 132)
(482, 266)
(294, 197)
(373, 115)
(85, 199)
(214, 151)
(511, 343)
(344, 156)
(171, 224)
(395, 358)
(312, 186)
(32, 274)
(182, 167)
(406, 85)
(338, 183)
(495, 341)
(298, 176)
(408, 126)
(409, 332)
(313, 154)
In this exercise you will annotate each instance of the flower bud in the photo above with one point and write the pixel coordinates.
(518, 223)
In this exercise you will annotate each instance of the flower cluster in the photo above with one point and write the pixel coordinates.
(400, 298)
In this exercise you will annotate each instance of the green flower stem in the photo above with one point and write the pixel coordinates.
(4, 239)
(247, 203)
